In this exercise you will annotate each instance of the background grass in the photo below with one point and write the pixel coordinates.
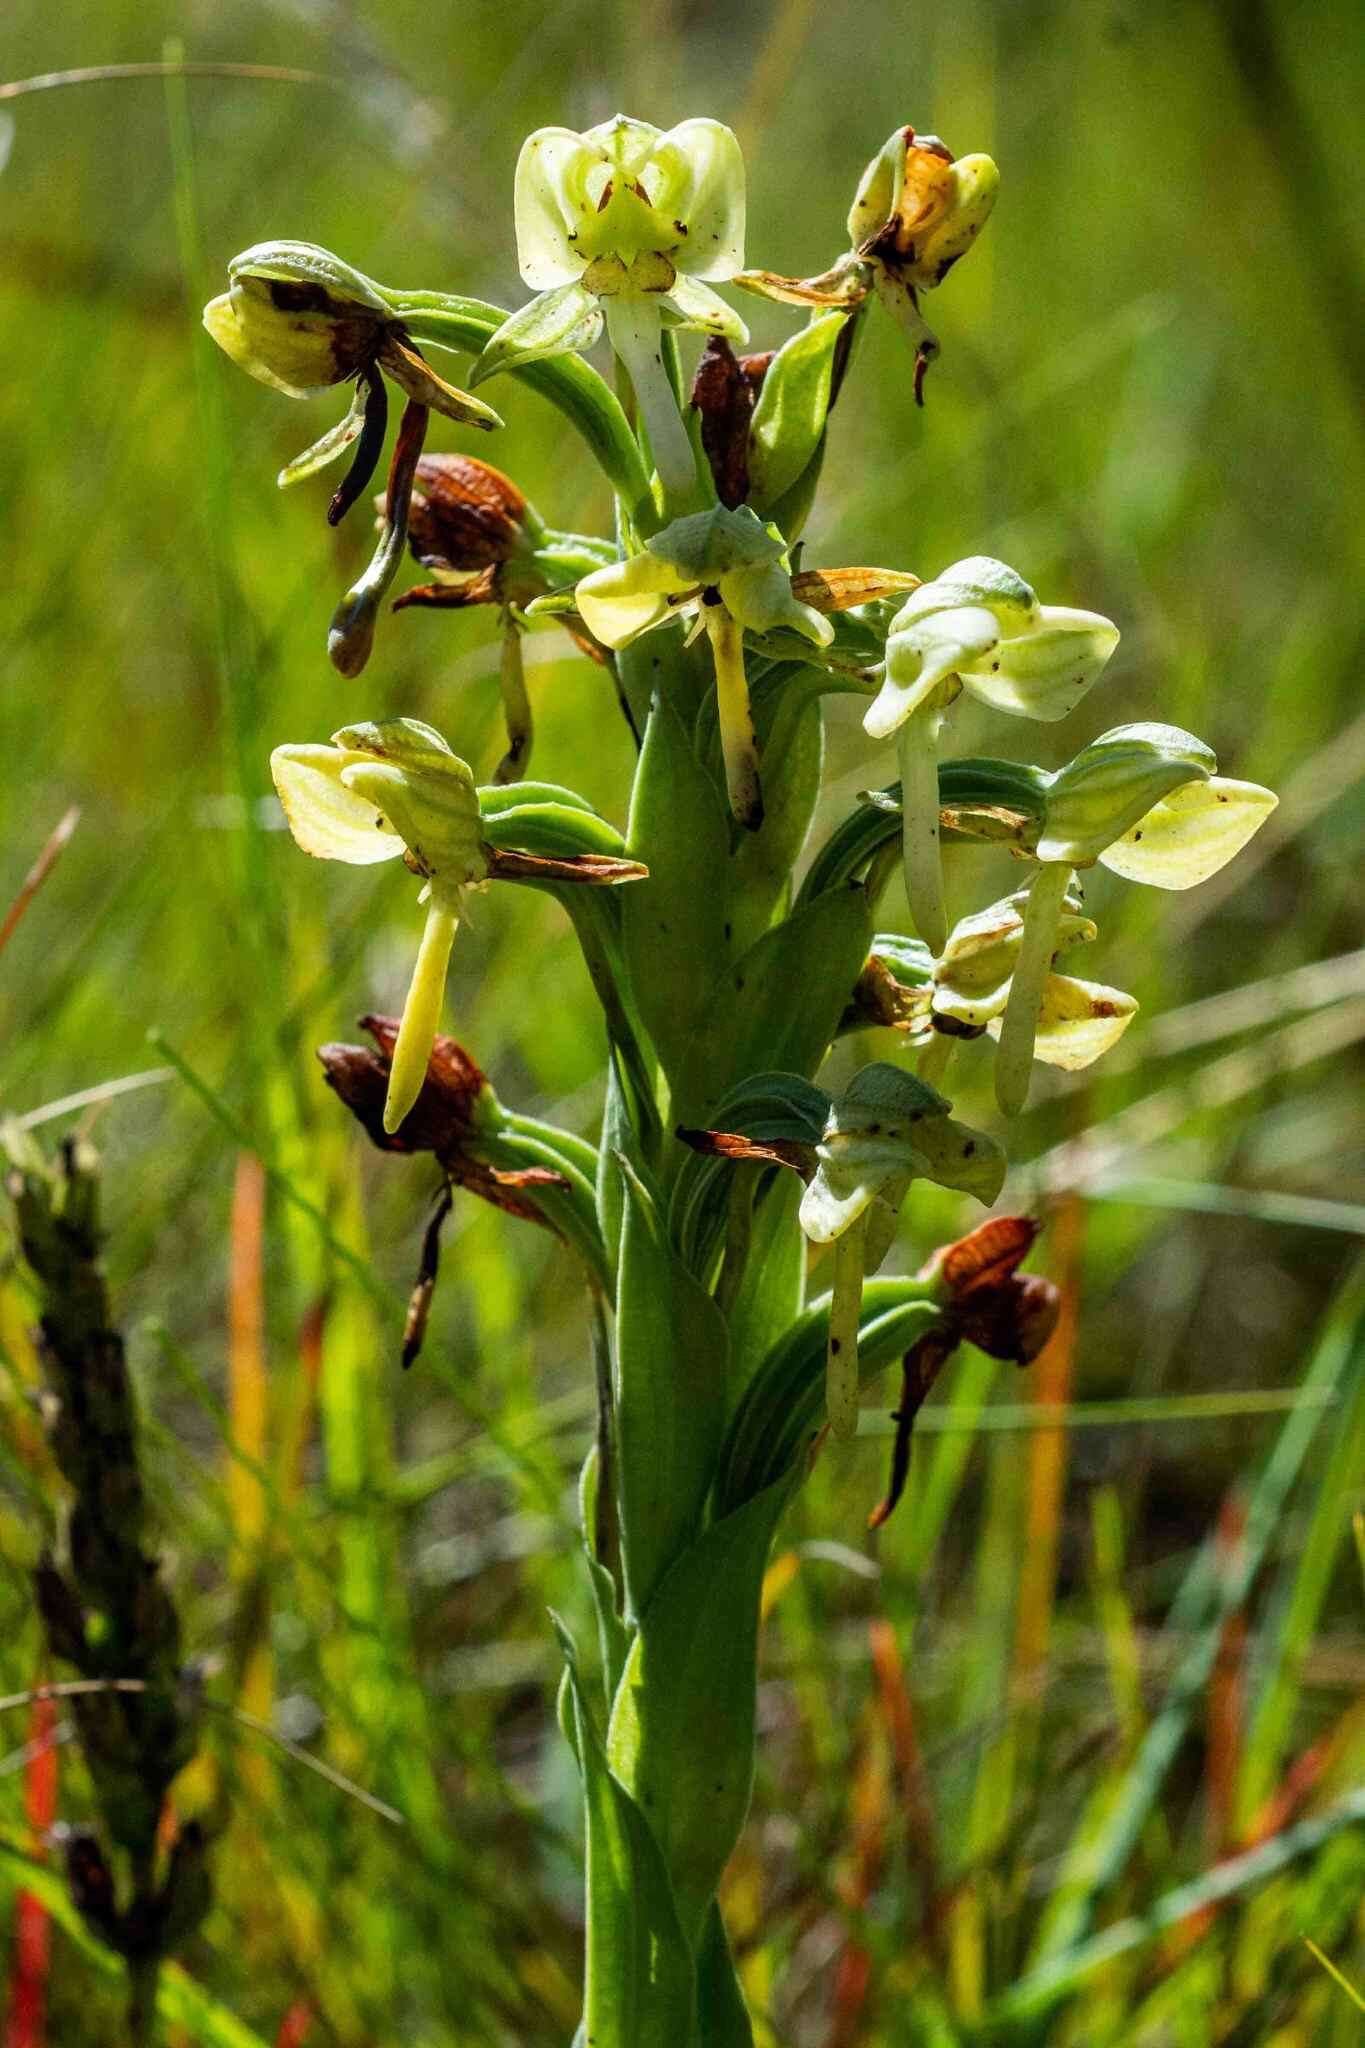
(1090, 1664)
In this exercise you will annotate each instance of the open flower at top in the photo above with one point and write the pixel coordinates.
(1147, 802)
(298, 318)
(627, 222)
(917, 211)
(978, 627)
(886, 1130)
(731, 570)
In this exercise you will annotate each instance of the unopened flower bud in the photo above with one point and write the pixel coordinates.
(296, 317)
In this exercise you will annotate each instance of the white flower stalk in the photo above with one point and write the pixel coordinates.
(387, 791)
(731, 569)
(978, 627)
(887, 1130)
(632, 225)
(1147, 802)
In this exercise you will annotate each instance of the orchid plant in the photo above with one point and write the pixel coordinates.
(726, 960)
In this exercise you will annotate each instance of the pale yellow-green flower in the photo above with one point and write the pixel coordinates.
(980, 628)
(731, 571)
(387, 791)
(886, 1130)
(1146, 801)
(1078, 1021)
(631, 224)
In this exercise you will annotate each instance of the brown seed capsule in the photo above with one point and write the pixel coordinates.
(465, 515)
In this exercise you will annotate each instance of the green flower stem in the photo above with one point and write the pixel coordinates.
(841, 1356)
(516, 705)
(917, 744)
(637, 337)
(738, 743)
(422, 1010)
(570, 384)
(1014, 1060)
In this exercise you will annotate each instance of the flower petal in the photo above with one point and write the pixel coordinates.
(326, 818)
(921, 655)
(1112, 784)
(694, 305)
(703, 172)
(551, 198)
(1077, 1021)
(1190, 833)
(1044, 673)
(840, 1194)
(627, 598)
(1080, 1020)
(761, 598)
(225, 324)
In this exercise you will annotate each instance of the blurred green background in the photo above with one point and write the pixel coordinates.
(1150, 401)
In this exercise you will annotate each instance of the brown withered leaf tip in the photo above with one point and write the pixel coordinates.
(596, 870)
(1005, 1313)
(839, 590)
(765, 1151)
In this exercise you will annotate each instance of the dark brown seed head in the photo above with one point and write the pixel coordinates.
(466, 515)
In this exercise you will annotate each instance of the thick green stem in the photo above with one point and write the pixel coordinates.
(917, 744)
(637, 336)
(841, 1356)
(516, 705)
(422, 1010)
(1014, 1059)
(738, 744)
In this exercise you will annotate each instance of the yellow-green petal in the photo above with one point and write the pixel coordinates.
(1191, 833)
(1078, 1021)
(625, 599)
(328, 819)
